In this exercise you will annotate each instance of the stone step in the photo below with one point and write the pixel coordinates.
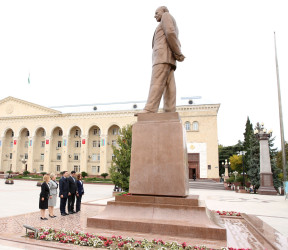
(160, 215)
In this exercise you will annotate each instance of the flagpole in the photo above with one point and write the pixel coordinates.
(280, 113)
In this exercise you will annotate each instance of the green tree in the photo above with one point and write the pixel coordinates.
(236, 163)
(120, 167)
(104, 175)
(279, 160)
(226, 153)
(252, 159)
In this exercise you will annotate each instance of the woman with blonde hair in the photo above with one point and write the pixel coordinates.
(53, 185)
(44, 196)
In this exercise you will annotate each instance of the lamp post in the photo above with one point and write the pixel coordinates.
(266, 176)
(242, 153)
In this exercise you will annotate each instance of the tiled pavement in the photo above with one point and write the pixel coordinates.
(239, 233)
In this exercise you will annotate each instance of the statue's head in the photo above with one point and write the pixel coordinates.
(159, 12)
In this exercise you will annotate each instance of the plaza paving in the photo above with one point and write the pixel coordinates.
(19, 205)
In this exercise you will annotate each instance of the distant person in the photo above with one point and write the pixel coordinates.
(80, 192)
(63, 192)
(44, 196)
(53, 185)
(194, 176)
(72, 192)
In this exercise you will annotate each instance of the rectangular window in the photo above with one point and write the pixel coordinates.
(41, 168)
(11, 155)
(26, 144)
(12, 134)
(26, 156)
(60, 132)
(59, 144)
(58, 157)
(98, 158)
(94, 157)
(43, 133)
(95, 131)
(76, 157)
(77, 144)
(77, 169)
(58, 168)
(209, 166)
(114, 142)
(76, 132)
(42, 144)
(11, 144)
(94, 144)
(114, 131)
(42, 157)
(27, 133)
(98, 169)
(93, 169)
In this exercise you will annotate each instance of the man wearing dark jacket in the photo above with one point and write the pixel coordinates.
(72, 192)
(63, 192)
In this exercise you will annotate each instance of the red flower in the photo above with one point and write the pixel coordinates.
(121, 244)
(184, 245)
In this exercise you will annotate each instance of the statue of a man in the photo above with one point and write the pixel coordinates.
(166, 51)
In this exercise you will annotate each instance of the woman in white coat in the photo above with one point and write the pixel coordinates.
(53, 185)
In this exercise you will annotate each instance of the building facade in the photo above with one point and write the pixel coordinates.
(40, 139)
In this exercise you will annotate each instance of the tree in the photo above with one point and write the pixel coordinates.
(236, 163)
(104, 175)
(279, 160)
(252, 159)
(120, 167)
(226, 153)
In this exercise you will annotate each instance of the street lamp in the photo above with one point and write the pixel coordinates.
(242, 153)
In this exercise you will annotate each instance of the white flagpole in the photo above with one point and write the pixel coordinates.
(280, 114)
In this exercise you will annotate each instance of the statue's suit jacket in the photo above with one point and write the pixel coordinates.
(165, 41)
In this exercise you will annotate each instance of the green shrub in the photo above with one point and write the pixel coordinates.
(25, 173)
(84, 174)
(104, 175)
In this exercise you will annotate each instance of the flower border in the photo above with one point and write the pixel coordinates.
(113, 242)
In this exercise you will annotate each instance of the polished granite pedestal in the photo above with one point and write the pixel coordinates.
(175, 216)
(160, 201)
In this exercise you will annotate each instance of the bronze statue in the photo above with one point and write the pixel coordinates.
(166, 51)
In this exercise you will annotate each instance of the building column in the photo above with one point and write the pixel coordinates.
(65, 155)
(15, 154)
(1, 152)
(30, 160)
(47, 154)
(103, 154)
(84, 153)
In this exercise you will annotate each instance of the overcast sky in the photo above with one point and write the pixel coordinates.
(100, 51)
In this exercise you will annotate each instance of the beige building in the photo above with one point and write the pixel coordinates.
(40, 139)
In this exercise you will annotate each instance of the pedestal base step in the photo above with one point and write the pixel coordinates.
(160, 215)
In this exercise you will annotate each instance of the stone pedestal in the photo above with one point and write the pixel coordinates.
(266, 184)
(175, 216)
(159, 203)
(159, 156)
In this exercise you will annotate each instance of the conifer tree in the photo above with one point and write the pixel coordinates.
(120, 166)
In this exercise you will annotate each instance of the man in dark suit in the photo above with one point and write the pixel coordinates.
(166, 51)
(63, 192)
(72, 192)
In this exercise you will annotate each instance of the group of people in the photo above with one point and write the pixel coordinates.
(70, 188)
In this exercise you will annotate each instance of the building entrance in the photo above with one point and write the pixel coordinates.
(194, 165)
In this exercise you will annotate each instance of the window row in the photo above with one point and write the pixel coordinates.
(195, 126)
